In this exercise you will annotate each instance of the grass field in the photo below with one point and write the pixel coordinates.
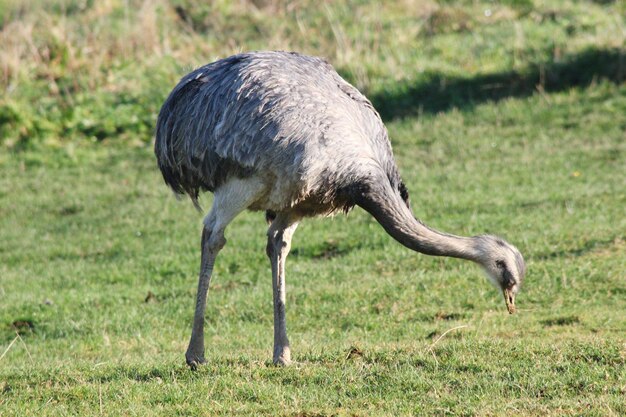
(506, 117)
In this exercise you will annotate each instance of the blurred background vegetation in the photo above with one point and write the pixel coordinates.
(88, 71)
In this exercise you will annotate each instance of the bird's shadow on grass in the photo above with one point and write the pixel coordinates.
(439, 93)
(165, 372)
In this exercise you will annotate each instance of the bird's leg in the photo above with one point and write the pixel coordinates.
(229, 200)
(278, 245)
(212, 241)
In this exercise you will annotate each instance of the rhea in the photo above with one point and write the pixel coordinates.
(284, 133)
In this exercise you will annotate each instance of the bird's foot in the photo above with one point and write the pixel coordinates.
(281, 361)
(282, 356)
(194, 361)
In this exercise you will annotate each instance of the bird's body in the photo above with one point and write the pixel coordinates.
(284, 133)
(279, 118)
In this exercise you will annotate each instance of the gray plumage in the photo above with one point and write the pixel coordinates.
(288, 117)
(284, 133)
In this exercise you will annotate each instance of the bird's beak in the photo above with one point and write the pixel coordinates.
(509, 299)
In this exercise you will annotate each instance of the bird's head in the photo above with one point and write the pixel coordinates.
(504, 266)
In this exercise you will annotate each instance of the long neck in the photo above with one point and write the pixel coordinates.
(392, 213)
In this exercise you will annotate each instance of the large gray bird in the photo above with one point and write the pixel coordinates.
(284, 133)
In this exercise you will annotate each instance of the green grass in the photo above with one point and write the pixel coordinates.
(511, 124)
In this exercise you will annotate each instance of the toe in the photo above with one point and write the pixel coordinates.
(282, 361)
(195, 361)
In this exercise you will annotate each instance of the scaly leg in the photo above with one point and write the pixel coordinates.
(278, 244)
(212, 241)
(230, 199)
